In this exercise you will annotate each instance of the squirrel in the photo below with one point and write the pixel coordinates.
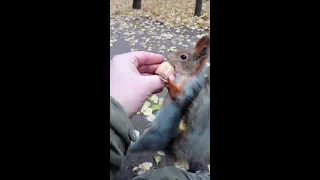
(193, 140)
(188, 101)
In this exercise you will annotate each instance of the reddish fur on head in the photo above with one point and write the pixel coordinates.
(189, 62)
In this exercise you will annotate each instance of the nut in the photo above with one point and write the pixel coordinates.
(165, 70)
(182, 126)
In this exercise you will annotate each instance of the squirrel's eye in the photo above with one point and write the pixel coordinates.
(184, 57)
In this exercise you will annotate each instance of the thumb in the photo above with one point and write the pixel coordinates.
(152, 83)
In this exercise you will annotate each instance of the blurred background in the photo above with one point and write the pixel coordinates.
(172, 13)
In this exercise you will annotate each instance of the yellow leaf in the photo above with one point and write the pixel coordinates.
(154, 98)
(200, 21)
(145, 106)
(158, 159)
(155, 107)
(147, 112)
(182, 126)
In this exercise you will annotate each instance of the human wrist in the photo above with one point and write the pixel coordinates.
(118, 100)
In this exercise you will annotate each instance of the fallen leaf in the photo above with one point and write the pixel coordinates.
(157, 159)
(154, 98)
(147, 112)
(151, 117)
(172, 49)
(161, 153)
(182, 126)
(200, 36)
(155, 107)
(142, 168)
(146, 105)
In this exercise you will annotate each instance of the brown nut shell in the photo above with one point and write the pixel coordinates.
(163, 68)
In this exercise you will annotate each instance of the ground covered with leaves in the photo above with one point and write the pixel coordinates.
(173, 13)
(156, 29)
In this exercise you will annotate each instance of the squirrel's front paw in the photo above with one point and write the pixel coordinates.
(173, 90)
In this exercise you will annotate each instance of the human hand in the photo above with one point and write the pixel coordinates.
(132, 79)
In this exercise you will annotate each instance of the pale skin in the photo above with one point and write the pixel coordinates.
(133, 79)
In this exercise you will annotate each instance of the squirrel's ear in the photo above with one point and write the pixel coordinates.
(203, 42)
(201, 51)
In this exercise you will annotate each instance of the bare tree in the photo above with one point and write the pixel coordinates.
(136, 4)
(197, 11)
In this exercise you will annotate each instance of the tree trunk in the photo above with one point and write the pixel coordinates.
(197, 11)
(136, 4)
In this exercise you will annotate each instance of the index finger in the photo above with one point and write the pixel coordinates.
(141, 58)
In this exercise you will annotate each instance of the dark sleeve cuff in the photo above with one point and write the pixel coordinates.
(121, 132)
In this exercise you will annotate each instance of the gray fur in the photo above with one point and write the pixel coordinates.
(196, 142)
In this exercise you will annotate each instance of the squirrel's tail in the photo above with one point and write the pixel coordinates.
(162, 129)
